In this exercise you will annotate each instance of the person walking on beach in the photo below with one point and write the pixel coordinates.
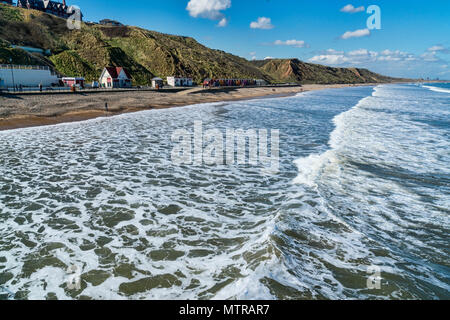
(40, 87)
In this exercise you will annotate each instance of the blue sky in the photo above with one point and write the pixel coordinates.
(414, 39)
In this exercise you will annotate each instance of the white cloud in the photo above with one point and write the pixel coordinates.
(439, 49)
(292, 43)
(430, 56)
(386, 52)
(351, 9)
(262, 23)
(356, 34)
(223, 23)
(364, 56)
(436, 48)
(332, 59)
(397, 55)
(269, 58)
(358, 52)
(209, 9)
(390, 62)
(332, 51)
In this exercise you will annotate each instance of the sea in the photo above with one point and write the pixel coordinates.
(359, 208)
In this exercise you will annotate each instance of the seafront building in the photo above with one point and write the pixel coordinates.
(52, 7)
(73, 81)
(13, 76)
(115, 77)
(110, 23)
(157, 83)
(179, 82)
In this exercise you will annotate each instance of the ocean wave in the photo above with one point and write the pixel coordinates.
(104, 195)
(437, 89)
(382, 175)
(309, 167)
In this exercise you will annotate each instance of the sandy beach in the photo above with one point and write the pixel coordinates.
(29, 110)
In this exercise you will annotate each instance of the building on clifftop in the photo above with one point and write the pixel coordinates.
(52, 7)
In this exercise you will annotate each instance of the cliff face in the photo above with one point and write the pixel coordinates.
(294, 70)
(145, 53)
(87, 51)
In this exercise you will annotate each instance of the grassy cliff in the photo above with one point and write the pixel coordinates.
(145, 53)
(87, 51)
(294, 70)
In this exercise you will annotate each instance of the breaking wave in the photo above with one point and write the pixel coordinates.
(363, 181)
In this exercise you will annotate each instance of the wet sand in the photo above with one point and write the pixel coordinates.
(29, 110)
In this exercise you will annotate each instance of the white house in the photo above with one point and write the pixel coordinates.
(179, 82)
(115, 77)
(26, 76)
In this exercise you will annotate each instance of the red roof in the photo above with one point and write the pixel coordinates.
(115, 71)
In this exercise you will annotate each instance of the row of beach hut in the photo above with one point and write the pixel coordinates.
(188, 82)
(233, 82)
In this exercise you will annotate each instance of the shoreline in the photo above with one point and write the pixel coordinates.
(24, 111)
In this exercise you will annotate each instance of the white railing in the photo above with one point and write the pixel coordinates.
(13, 66)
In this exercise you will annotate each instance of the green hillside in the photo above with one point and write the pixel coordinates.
(294, 70)
(145, 53)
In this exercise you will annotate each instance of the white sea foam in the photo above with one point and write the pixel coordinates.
(437, 89)
(379, 153)
(103, 195)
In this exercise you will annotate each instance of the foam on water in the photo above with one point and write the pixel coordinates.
(387, 175)
(437, 89)
(104, 195)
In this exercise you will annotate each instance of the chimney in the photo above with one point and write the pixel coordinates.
(64, 3)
